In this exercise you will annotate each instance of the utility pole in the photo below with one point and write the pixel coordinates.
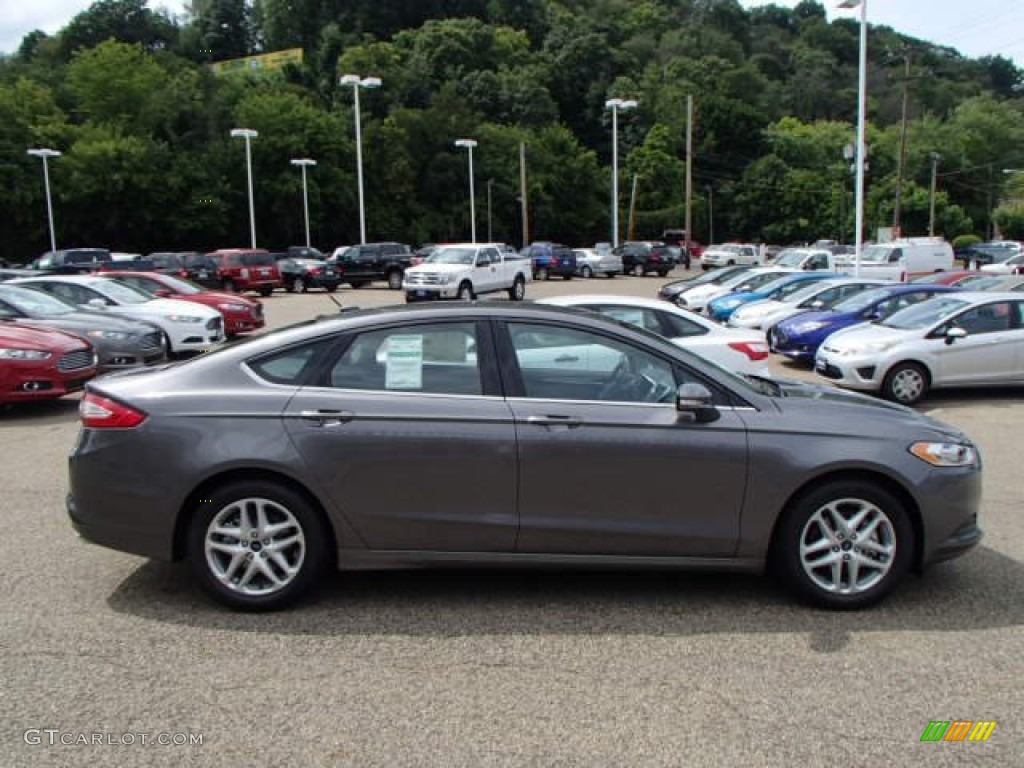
(632, 211)
(931, 200)
(902, 159)
(522, 193)
(689, 166)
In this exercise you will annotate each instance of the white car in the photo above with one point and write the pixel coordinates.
(1011, 266)
(728, 255)
(957, 339)
(696, 299)
(736, 350)
(590, 262)
(190, 327)
(823, 294)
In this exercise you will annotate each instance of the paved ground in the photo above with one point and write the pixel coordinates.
(476, 669)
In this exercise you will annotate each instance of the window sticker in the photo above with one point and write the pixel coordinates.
(404, 362)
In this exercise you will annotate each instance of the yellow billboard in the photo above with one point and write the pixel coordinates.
(263, 62)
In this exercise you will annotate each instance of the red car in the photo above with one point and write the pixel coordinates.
(958, 278)
(247, 269)
(240, 313)
(42, 363)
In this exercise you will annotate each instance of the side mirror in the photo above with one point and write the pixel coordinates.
(955, 333)
(695, 400)
(96, 304)
(817, 304)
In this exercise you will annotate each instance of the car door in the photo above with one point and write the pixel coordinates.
(988, 354)
(607, 465)
(485, 274)
(420, 397)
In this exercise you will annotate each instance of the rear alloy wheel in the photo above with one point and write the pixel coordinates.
(466, 291)
(518, 290)
(395, 280)
(846, 544)
(638, 270)
(300, 285)
(905, 383)
(586, 272)
(256, 545)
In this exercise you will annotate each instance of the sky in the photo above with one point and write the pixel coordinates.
(973, 27)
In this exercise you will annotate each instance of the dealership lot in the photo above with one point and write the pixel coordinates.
(484, 668)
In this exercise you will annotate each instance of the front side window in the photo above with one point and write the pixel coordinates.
(571, 364)
(439, 358)
(990, 318)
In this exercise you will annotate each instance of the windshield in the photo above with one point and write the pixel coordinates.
(121, 293)
(925, 314)
(790, 258)
(754, 282)
(983, 283)
(452, 256)
(35, 303)
(876, 254)
(859, 301)
(181, 286)
(805, 291)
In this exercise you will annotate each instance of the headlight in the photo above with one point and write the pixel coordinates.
(23, 354)
(812, 326)
(109, 335)
(233, 307)
(726, 303)
(868, 348)
(945, 454)
(184, 319)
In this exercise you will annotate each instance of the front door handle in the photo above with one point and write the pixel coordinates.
(327, 417)
(567, 359)
(555, 420)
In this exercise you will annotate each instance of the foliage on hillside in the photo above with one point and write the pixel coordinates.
(125, 94)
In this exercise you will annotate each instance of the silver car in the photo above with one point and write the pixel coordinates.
(590, 262)
(454, 435)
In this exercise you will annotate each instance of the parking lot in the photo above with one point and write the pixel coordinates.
(501, 668)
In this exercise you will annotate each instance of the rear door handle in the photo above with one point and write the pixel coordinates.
(327, 417)
(555, 420)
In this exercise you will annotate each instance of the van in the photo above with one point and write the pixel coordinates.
(903, 260)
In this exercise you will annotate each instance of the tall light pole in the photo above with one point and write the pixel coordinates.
(304, 163)
(615, 105)
(862, 96)
(45, 154)
(358, 82)
(248, 134)
(468, 144)
(711, 215)
(490, 232)
(931, 198)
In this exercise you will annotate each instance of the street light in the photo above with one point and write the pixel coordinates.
(490, 234)
(44, 154)
(862, 90)
(469, 144)
(358, 82)
(615, 105)
(304, 163)
(248, 134)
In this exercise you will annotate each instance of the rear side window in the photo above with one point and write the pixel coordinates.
(292, 366)
(257, 259)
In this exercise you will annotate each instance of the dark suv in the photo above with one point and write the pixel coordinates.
(362, 264)
(642, 257)
(247, 269)
(547, 259)
(71, 261)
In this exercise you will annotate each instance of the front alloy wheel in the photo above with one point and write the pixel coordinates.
(905, 383)
(257, 546)
(845, 545)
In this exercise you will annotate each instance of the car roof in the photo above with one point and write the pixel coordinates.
(604, 298)
(83, 279)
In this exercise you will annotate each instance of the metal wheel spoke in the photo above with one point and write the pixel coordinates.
(228, 549)
(254, 567)
(828, 558)
(274, 529)
(237, 559)
(267, 571)
(837, 573)
(279, 545)
(853, 572)
(854, 522)
(876, 547)
(820, 545)
(232, 532)
(871, 527)
(261, 520)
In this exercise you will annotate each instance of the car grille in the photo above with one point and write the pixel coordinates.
(152, 341)
(213, 324)
(72, 361)
(830, 371)
(424, 278)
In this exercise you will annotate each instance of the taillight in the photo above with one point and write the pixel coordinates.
(754, 350)
(182, 273)
(314, 270)
(98, 412)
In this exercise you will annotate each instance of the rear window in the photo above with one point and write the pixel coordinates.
(257, 259)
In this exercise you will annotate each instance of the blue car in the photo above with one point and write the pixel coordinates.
(799, 337)
(782, 286)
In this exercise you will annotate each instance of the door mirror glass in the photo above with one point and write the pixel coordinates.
(954, 333)
(97, 303)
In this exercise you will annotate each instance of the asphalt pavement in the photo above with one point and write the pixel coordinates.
(476, 668)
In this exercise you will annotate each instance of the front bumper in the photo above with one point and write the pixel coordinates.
(430, 293)
(860, 372)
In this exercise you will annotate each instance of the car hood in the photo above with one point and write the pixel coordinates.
(803, 322)
(870, 415)
(165, 307)
(83, 322)
(16, 335)
(434, 268)
(867, 332)
(759, 308)
(211, 298)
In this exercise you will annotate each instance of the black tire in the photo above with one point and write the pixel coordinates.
(518, 290)
(541, 274)
(466, 291)
(395, 280)
(609, 275)
(266, 290)
(586, 272)
(331, 288)
(800, 525)
(906, 383)
(289, 286)
(167, 345)
(638, 270)
(298, 284)
(358, 283)
(567, 277)
(229, 285)
(312, 552)
(662, 272)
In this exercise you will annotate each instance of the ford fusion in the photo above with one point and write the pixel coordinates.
(501, 434)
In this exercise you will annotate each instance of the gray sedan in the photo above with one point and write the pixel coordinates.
(453, 435)
(120, 342)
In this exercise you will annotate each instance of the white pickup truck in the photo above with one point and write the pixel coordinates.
(728, 255)
(898, 260)
(466, 270)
